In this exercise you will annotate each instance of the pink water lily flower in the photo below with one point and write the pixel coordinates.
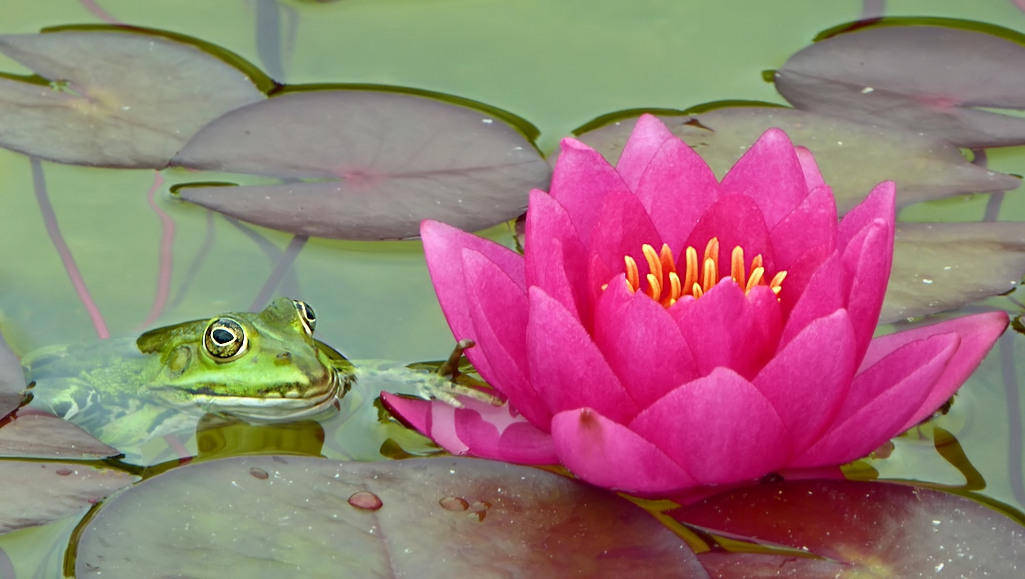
(664, 330)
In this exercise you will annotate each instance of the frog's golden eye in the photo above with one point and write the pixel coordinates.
(307, 315)
(225, 339)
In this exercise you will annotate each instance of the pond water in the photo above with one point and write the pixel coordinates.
(558, 65)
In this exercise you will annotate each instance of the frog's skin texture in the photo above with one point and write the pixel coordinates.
(261, 367)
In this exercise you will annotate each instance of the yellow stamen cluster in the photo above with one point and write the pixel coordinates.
(664, 285)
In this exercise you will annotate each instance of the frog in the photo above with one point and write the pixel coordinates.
(259, 367)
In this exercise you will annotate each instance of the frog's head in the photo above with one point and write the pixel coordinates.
(258, 366)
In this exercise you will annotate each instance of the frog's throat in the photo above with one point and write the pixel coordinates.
(272, 407)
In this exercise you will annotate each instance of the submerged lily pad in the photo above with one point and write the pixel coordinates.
(275, 516)
(375, 163)
(858, 529)
(115, 99)
(35, 493)
(49, 437)
(941, 266)
(854, 157)
(931, 79)
(12, 380)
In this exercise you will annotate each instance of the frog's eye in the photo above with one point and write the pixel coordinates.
(307, 315)
(225, 339)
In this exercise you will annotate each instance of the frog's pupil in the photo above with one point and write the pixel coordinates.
(222, 336)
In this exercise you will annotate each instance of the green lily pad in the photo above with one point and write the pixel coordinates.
(373, 164)
(942, 266)
(115, 99)
(858, 529)
(938, 80)
(48, 491)
(49, 437)
(853, 157)
(276, 516)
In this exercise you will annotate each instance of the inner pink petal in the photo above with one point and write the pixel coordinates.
(736, 220)
(771, 174)
(581, 179)
(647, 137)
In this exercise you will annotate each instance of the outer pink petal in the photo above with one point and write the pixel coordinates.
(879, 204)
(498, 310)
(647, 137)
(821, 295)
(566, 367)
(677, 187)
(642, 343)
(771, 174)
(888, 394)
(477, 429)
(443, 249)
(806, 387)
(812, 175)
(581, 179)
(978, 334)
(607, 454)
(720, 428)
(554, 256)
(729, 329)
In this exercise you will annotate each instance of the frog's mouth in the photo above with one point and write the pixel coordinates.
(281, 405)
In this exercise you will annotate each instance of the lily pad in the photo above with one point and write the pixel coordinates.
(374, 164)
(49, 437)
(115, 98)
(12, 380)
(859, 529)
(941, 266)
(36, 493)
(275, 516)
(936, 80)
(853, 157)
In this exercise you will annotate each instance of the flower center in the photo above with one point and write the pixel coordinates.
(664, 284)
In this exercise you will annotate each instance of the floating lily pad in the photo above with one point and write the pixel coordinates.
(49, 437)
(930, 79)
(276, 516)
(115, 99)
(374, 164)
(853, 157)
(12, 380)
(35, 493)
(941, 266)
(859, 529)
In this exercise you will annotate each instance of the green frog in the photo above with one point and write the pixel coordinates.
(260, 367)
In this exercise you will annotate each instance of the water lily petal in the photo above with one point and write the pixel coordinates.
(676, 188)
(498, 310)
(720, 428)
(878, 205)
(978, 333)
(642, 343)
(824, 293)
(443, 249)
(581, 179)
(810, 167)
(805, 387)
(646, 138)
(811, 224)
(620, 230)
(881, 400)
(771, 174)
(477, 429)
(556, 252)
(725, 328)
(608, 454)
(867, 258)
(735, 220)
(566, 365)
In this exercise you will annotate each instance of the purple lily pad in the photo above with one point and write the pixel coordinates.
(12, 380)
(36, 493)
(376, 164)
(870, 528)
(941, 266)
(854, 157)
(931, 79)
(49, 437)
(274, 516)
(116, 98)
